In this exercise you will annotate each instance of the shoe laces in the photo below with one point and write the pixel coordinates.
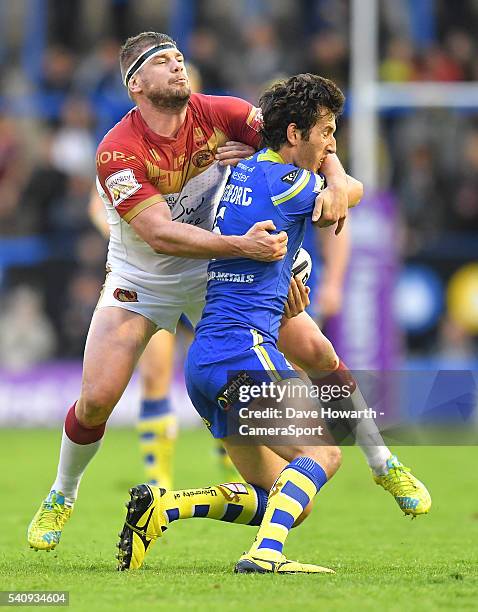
(49, 514)
(399, 477)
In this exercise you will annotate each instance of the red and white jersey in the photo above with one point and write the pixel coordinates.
(137, 168)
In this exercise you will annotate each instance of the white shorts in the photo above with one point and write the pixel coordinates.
(181, 294)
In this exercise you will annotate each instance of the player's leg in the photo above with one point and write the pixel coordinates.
(309, 464)
(157, 424)
(151, 509)
(115, 341)
(233, 502)
(305, 345)
(193, 313)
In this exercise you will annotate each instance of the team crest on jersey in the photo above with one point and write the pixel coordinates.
(122, 185)
(202, 158)
(125, 295)
(254, 120)
(291, 176)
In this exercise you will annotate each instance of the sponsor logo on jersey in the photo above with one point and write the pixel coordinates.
(254, 120)
(229, 394)
(125, 295)
(243, 166)
(291, 176)
(240, 176)
(122, 185)
(202, 158)
(230, 277)
(106, 156)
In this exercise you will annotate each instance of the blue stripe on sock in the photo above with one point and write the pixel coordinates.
(295, 492)
(201, 510)
(310, 468)
(155, 408)
(173, 514)
(271, 544)
(261, 505)
(232, 512)
(149, 459)
(282, 518)
(147, 435)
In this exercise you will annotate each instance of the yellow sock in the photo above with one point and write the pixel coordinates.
(233, 502)
(157, 441)
(297, 484)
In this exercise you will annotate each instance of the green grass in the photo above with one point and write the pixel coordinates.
(383, 560)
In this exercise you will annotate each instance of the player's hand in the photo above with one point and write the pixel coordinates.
(232, 152)
(261, 245)
(331, 207)
(297, 298)
(329, 299)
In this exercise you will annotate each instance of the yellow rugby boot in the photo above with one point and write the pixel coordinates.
(44, 531)
(254, 563)
(409, 493)
(145, 522)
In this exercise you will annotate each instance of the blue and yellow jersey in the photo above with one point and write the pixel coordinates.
(242, 294)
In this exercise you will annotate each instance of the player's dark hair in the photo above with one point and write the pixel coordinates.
(135, 45)
(301, 99)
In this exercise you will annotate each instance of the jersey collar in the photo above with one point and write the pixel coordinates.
(175, 142)
(270, 155)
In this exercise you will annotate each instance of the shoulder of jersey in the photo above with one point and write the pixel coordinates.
(124, 126)
(199, 101)
(286, 174)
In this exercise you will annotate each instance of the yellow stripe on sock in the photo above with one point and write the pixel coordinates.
(299, 480)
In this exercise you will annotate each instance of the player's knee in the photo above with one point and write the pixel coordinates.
(333, 459)
(328, 457)
(93, 408)
(321, 356)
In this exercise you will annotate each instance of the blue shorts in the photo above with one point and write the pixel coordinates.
(213, 385)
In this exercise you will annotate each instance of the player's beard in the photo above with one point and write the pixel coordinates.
(170, 98)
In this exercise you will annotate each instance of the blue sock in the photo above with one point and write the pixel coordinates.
(152, 408)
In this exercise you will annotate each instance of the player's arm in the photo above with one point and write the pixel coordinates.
(342, 192)
(124, 178)
(335, 251)
(154, 226)
(231, 153)
(97, 213)
(325, 212)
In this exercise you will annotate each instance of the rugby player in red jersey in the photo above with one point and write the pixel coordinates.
(161, 183)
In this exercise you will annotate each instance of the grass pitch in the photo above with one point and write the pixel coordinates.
(383, 560)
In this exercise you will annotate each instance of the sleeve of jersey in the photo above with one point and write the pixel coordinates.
(238, 119)
(122, 174)
(293, 190)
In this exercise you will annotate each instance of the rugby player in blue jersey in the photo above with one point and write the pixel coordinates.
(235, 348)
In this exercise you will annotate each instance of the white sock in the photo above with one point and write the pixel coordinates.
(368, 437)
(73, 461)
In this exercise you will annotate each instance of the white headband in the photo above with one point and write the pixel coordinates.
(145, 57)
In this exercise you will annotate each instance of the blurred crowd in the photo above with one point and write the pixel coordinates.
(60, 94)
